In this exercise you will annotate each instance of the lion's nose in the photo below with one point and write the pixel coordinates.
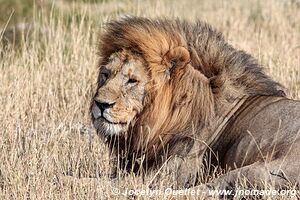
(104, 105)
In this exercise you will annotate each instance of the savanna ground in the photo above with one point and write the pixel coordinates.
(48, 149)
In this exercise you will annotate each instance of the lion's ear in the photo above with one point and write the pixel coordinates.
(176, 58)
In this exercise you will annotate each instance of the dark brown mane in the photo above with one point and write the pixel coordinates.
(215, 75)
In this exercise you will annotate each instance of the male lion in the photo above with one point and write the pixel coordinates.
(173, 92)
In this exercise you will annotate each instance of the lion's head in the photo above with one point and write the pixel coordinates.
(121, 92)
(161, 81)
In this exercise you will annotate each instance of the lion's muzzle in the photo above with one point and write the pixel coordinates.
(101, 110)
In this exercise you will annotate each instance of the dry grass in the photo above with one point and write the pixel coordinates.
(45, 88)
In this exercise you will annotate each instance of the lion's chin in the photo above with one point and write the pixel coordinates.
(109, 129)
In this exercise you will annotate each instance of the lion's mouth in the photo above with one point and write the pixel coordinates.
(110, 122)
(103, 120)
(107, 127)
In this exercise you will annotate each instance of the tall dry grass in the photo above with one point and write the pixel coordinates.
(47, 147)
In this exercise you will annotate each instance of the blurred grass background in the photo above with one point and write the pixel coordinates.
(23, 10)
(48, 72)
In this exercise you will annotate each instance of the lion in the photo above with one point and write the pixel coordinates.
(176, 93)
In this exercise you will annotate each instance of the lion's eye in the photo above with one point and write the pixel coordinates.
(132, 81)
(103, 77)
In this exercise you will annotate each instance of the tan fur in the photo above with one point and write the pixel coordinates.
(193, 79)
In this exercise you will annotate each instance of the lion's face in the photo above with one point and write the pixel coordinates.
(120, 94)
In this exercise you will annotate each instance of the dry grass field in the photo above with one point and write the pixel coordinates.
(48, 149)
